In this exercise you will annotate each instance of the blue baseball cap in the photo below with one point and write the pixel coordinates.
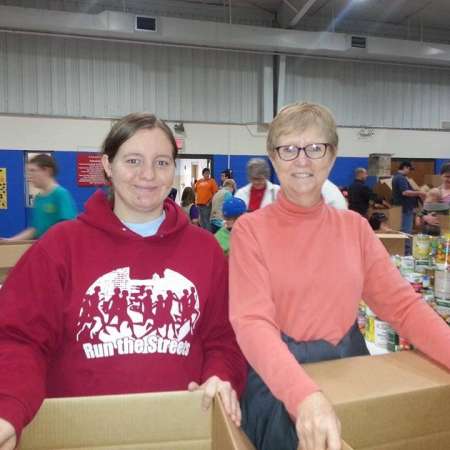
(233, 207)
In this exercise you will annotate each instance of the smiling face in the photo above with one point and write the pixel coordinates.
(446, 180)
(302, 178)
(141, 173)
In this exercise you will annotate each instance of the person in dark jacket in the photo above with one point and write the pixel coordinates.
(360, 196)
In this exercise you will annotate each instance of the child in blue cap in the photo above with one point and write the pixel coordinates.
(232, 208)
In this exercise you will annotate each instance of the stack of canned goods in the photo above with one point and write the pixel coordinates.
(428, 272)
(379, 332)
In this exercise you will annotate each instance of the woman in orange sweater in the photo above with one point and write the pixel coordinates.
(310, 266)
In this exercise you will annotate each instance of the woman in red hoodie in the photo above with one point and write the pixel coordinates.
(112, 302)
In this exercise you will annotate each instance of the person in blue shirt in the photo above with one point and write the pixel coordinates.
(405, 196)
(52, 205)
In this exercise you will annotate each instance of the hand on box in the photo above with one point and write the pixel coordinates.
(215, 386)
(7, 435)
(318, 427)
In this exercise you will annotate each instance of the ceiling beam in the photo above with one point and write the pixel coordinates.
(296, 19)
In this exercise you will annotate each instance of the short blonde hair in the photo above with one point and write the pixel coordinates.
(229, 182)
(298, 117)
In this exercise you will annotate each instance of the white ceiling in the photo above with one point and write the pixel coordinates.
(427, 20)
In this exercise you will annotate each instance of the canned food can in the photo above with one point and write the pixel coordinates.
(442, 284)
(421, 246)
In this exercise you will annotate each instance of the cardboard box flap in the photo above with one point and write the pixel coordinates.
(225, 434)
(10, 252)
(438, 441)
(121, 421)
(371, 377)
(383, 400)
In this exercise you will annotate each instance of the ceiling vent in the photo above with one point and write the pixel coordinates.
(145, 23)
(359, 42)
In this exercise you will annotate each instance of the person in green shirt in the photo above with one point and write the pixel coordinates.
(52, 205)
(232, 208)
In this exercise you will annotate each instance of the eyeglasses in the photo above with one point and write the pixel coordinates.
(312, 151)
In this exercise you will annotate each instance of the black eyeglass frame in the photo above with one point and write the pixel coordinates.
(299, 149)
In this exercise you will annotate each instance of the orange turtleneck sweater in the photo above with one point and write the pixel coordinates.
(303, 271)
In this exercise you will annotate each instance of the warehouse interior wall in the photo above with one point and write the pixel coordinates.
(62, 94)
(67, 134)
(231, 146)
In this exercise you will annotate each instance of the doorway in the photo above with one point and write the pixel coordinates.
(189, 169)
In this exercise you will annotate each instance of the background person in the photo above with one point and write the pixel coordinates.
(52, 204)
(379, 223)
(232, 209)
(436, 202)
(259, 192)
(333, 196)
(205, 188)
(359, 194)
(405, 196)
(225, 175)
(225, 193)
(189, 206)
(291, 301)
(113, 302)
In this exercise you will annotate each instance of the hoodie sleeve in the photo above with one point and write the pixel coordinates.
(30, 331)
(223, 357)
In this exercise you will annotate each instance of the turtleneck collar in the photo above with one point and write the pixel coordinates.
(288, 207)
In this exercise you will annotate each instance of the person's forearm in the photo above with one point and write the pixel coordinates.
(411, 193)
(28, 233)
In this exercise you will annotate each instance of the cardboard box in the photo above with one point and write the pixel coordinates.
(444, 223)
(10, 253)
(394, 242)
(160, 421)
(433, 180)
(383, 189)
(398, 401)
(394, 215)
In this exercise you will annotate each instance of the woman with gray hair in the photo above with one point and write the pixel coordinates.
(298, 271)
(260, 191)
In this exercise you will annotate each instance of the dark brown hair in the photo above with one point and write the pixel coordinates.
(188, 196)
(445, 168)
(44, 161)
(128, 126)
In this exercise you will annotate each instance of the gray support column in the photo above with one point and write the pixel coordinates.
(281, 82)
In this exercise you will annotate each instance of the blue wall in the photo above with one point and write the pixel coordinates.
(342, 173)
(67, 177)
(13, 219)
(17, 216)
(440, 163)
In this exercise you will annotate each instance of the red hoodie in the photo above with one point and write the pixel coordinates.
(94, 309)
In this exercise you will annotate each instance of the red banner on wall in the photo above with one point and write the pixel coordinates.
(90, 170)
